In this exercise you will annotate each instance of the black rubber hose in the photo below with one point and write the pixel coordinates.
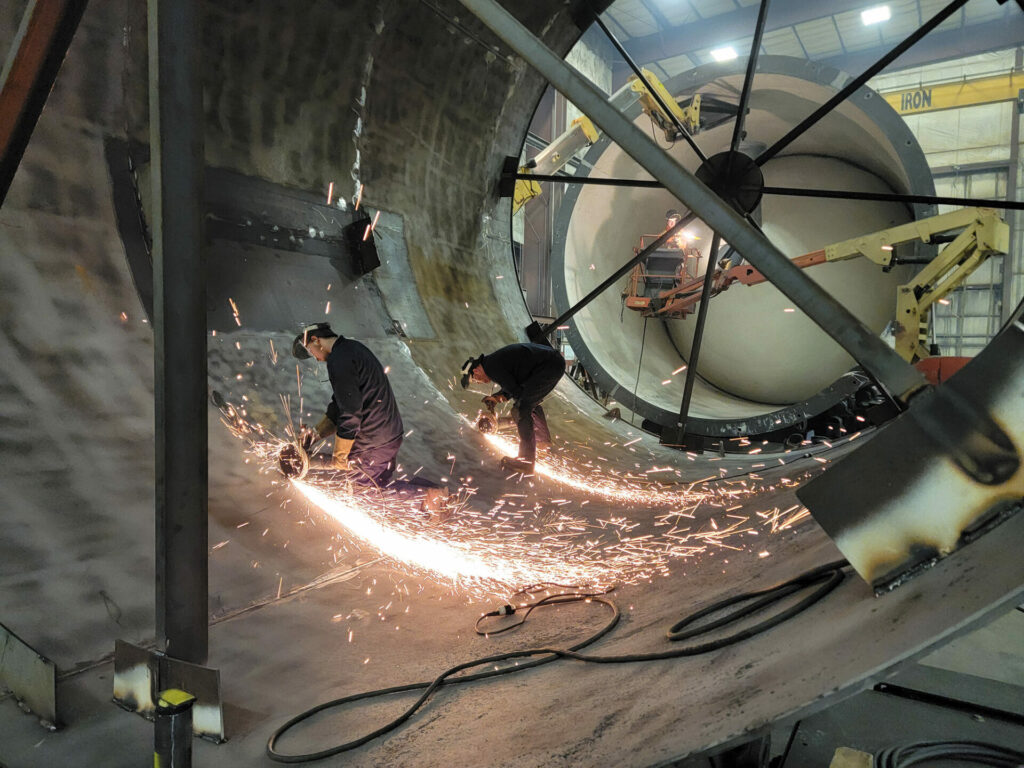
(828, 577)
(931, 752)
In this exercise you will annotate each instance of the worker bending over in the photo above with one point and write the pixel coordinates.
(363, 414)
(526, 374)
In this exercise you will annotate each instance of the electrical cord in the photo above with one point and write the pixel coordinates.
(825, 578)
(508, 609)
(929, 752)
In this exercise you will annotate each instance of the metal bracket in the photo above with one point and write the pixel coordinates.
(141, 674)
(30, 676)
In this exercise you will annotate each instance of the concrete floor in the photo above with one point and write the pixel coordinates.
(296, 652)
(76, 460)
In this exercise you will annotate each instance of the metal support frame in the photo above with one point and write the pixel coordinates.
(748, 78)
(565, 178)
(46, 30)
(670, 114)
(833, 194)
(848, 89)
(709, 273)
(179, 272)
(894, 197)
(698, 336)
(891, 371)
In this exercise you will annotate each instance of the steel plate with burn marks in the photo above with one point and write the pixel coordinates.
(942, 474)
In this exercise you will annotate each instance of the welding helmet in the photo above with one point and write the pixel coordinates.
(467, 369)
(322, 330)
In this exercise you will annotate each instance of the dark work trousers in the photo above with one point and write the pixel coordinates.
(378, 468)
(531, 422)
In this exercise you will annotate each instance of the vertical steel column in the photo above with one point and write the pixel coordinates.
(179, 277)
(698, 336)
(1015, 219)
(891, 371)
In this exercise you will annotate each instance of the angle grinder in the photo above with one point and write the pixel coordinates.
(293, 461)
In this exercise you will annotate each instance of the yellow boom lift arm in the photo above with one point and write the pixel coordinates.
(981, 233)
(582, 132)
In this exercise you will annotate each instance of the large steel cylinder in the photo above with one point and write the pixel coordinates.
(760, 365)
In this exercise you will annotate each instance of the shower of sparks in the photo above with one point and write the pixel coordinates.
(530, 534)
(234, 311)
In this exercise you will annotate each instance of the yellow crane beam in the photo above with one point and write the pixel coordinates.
(962, 93)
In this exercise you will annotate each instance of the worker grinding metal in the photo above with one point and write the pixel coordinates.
(526, 374)
(363, 414)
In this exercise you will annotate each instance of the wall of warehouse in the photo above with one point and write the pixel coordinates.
(974, 151)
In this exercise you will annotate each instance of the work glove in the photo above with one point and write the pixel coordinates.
(491, 401)
(309, 435)
(325, 427)
(342, 448)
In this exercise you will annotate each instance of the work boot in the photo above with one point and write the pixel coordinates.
(510, 464)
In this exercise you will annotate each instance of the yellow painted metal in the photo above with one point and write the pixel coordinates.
(982, 233)
(525, 191)
(962, 93)
(985, 236)
(580, 134)
(688, 116)
(878, 246)
(586, 125)
(846, 757)
(173, 697)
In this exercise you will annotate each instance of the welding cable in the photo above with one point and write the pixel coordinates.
(428, 688)
(930, 752)
(525, 610)
(827, 576)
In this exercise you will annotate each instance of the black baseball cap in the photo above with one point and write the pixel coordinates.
(317, 330)
(467, 369)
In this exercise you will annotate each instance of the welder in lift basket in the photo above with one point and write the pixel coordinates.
(363, 415)
(526, 373)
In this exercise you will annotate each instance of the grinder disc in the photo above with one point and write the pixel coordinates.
(293, 461)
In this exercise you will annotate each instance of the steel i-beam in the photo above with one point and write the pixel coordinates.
(179, 271)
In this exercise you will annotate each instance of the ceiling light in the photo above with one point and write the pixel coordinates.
(875, 15)
(728, 53)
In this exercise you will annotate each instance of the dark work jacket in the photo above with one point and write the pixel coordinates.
(363, 407)
(513, 366)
